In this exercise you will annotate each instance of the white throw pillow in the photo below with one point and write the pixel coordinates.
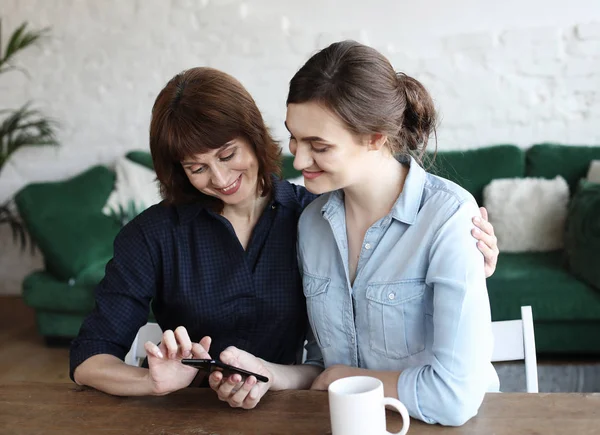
(528, 214)
(593, 175)
(135, 190)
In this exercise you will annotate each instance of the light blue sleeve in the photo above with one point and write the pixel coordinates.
(451, 389)
(313, 352)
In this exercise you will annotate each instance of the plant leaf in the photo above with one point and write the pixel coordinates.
(20, 39)
(25, 127)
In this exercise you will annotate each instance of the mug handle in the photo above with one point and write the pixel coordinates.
(403, 412)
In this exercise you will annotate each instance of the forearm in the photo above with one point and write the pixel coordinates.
(389, 380)
(109, 374)
(292, 377)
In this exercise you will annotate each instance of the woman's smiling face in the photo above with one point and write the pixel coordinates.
(329, 155)
(229, 173)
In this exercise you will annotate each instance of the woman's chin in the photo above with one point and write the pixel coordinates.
(318, 187)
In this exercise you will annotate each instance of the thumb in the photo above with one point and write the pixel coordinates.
(233, 356)
(198, 351)
(206, 342)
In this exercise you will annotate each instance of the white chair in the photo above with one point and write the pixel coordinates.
(149, 332)
(515, 340)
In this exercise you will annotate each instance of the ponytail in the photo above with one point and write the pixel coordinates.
(419, 117)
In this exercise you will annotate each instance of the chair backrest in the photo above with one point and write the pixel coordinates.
(515, 340)
(149, 332)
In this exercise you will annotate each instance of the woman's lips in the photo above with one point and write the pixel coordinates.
(311, 175)
(232, 188)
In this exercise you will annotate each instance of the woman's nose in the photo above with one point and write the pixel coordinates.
(302, 159)
(219, 178)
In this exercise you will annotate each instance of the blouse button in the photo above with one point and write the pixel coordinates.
(392, 296)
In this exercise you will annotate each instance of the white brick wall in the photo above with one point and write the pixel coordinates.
(517, 71)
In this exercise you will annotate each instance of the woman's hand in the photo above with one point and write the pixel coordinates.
(487, 241)
(166, 373)
(231, 389)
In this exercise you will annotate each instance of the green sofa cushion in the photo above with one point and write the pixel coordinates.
(66, 222)
(476, 168)
(287, 168)
(141, 157)
(582, 236)
(569, 161)
(542, 281)
(44, 292)
(60, 307)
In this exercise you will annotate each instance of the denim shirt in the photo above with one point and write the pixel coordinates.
(419, 302)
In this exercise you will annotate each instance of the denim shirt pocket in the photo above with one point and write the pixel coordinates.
(396, 316)
(315, 290)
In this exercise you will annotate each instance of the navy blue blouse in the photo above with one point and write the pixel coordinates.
(187, 262)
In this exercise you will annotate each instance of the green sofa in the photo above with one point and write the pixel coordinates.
(65, 220)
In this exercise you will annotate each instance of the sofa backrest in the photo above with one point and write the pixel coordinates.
(569, 161)
(475, 168)
(141, 157)
(65, 220)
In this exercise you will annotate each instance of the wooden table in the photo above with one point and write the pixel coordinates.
(44, 408)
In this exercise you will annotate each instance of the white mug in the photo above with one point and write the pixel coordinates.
(357, 407)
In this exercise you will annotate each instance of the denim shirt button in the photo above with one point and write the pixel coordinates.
(392, 296)
(368, 246)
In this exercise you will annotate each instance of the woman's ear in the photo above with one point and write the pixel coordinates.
(376, 141)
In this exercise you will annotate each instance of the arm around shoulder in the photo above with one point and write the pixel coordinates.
(450, 390)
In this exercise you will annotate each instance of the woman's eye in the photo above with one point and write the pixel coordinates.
(229, 157)
(199, 170)
(320, 150)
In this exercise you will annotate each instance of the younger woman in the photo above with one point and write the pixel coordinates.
(394, 282)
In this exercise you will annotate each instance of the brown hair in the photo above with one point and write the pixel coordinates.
(199, 110)
(361, 87)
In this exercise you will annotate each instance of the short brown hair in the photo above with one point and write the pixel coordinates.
(199, 110)
(361, 87)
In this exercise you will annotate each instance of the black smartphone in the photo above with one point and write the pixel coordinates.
(210, 365)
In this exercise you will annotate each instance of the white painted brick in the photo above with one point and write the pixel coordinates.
(583, 84)
(476, 41)
(588, 31)
(582, 67)
(547, 68)
(301, 43)
(531, 36)
(587, 48)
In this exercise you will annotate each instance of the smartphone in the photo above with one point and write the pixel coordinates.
(210, 365)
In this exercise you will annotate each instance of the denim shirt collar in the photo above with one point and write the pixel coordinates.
(407, 205)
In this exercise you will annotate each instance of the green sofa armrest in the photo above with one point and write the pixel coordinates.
(65, 221)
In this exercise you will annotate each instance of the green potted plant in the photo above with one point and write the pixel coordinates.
(22, 127)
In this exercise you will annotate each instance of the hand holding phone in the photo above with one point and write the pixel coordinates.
(210, 365)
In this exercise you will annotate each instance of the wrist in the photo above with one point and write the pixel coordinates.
(151, 387)
(271, 374)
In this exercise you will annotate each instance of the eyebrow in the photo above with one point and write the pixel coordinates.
(223, 148)
(308, 138)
